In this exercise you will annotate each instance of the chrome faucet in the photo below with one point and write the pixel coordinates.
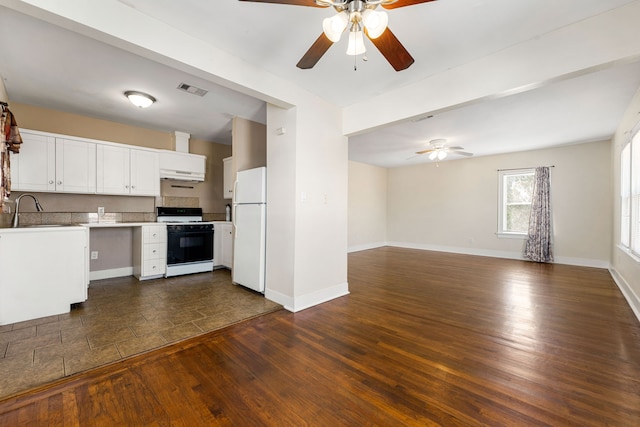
(16, 214)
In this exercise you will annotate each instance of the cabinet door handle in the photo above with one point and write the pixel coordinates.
(154, 251)
(50, 181)
(59, 182)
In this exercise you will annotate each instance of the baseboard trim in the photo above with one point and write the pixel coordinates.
(284, 300)
(582, 262)
(359, 248)
(627, 292)
(110, 273)
(303, 302)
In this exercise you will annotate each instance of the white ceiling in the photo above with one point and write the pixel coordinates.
(48, 66)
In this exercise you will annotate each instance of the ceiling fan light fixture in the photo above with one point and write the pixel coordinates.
(442, 154)
(139, 99)
(375, 22)
(433, 155)
(334, 27)
(356, 42)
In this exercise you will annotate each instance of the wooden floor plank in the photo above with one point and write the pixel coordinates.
(424, 338)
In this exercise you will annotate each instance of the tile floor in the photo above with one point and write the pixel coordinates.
(122, 317)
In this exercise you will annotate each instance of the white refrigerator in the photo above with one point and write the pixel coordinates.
(249, 221)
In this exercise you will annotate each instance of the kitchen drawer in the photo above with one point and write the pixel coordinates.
(154, 267)
(154, 234)
(155, 251)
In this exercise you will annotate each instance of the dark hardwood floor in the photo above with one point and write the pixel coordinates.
(424, 338)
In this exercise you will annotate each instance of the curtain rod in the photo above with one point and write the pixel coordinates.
(516, 169)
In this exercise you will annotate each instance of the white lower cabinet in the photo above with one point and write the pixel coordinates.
(59, 279)
(226, 247)
(223, 244)
(150, 251)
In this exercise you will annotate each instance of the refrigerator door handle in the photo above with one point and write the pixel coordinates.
(233, 203)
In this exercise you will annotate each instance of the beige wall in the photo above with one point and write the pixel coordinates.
(367, 222)
(249, 144)
(454, 207)
(47, 120)
(625, 269)
(3, 91)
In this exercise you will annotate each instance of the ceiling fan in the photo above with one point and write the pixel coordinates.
(358, 16)
(439, 150)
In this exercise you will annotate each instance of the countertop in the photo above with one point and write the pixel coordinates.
(50, 227)
(42, 228)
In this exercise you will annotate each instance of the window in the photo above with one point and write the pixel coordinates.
(630, 195)
(515, 194)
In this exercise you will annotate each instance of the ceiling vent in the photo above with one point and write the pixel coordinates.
(192, 89)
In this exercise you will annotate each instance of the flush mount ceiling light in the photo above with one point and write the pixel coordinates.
(360, 18)
(139, 99)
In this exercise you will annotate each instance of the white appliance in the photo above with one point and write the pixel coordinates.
(189, 240)
(249, 221)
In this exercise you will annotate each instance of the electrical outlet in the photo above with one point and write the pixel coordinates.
(94, 254)
(101, 211)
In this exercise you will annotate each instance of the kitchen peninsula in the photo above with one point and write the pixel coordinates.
(44, 271)
(46, 268)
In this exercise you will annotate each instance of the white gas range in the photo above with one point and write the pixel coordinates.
(189, 240)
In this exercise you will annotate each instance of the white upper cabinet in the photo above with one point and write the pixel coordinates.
(46, 163)
(112, 169)
(55, 163)
(75, 166)
(34, 168)
(127, 171)
(145, 172)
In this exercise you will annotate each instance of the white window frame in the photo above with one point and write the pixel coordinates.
(630, 189)
(502, 203)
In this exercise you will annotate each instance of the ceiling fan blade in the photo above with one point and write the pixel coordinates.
(315, 52)
(463, 153)
(309, 3)
(391, 48)
(454, 148)
(403, 3)
(425, 151)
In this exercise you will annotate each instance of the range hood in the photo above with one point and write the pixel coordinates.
(182, 166)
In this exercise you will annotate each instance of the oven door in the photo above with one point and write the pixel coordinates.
(189, 243)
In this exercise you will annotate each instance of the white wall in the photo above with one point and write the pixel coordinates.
(367, 223)
(454, 206)
(307, 205)
(624, 268)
